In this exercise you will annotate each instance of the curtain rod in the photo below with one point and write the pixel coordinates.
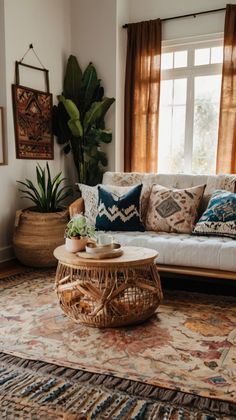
(185, 16)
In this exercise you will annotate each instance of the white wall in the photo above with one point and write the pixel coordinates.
(122, 16)
(93, 38)
(47, 25)
(98, 36)
(205, 24)
(2, 56)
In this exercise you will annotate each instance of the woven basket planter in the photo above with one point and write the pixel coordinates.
(36, 235)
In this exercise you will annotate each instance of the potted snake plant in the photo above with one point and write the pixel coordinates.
(40, 229)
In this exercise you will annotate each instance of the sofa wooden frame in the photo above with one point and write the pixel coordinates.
(78, 207)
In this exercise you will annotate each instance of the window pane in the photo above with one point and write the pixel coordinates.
(206, 116)
(180, 90)
(172, 126)
(166, 93)
(164, 141)
(180, 59)
(202, 56)
(167, 61)
(178, 134)
(216, 55)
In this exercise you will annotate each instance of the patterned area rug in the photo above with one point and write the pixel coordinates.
(188, 346)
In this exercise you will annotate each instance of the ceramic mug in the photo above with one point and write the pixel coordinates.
(104, 239)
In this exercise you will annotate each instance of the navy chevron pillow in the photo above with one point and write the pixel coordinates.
(120, 213)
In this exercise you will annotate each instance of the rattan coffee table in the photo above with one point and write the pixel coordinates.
(109, 292)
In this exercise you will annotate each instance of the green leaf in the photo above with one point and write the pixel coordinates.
(42, 185)
(34, 189)
(70, 107)
(29, 196)
(102, 158)
(56, 179)
(23, 183)
(75, 127)
(61, 196)
(72, 80)
(56, 183)
(97, 112)
(86, 157)
(90, 84)
(101, 124)
(60, 127)
(94, 175)
(40, 176)
(74, 122)
(103, 136)
(98, 94)
(49, 184)
(93, 151)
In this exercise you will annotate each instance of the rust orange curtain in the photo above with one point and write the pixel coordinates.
(142, 91)
(226, 153)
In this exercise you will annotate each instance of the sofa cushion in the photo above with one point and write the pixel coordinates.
(217, 182)
(217, 253)
(119, 213)
(213, 182)
(219, 219)
(167, 180)
(90, 196)
(173, 210)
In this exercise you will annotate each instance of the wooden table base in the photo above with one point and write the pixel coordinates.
(108, 296)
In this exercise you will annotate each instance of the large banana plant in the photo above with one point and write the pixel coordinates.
(78, 121)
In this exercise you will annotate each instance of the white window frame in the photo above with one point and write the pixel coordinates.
(189, 72)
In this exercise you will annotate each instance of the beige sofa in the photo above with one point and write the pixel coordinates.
(180, 253)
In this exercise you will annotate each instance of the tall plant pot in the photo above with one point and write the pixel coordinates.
(36, 235)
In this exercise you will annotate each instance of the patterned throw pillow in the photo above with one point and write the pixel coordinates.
(90, 196)
(217, 182)
(219, 219)
(119, 213)
(173, 210)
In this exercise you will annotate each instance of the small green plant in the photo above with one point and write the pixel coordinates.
(48, 194)
(78, 226)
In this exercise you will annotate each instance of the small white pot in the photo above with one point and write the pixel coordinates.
(76, 244)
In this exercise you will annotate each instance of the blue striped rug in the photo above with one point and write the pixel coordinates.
(37, 390)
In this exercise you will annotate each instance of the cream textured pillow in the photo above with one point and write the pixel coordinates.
(173, 210)
(90, 196)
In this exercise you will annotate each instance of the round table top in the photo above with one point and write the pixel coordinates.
(132, 255)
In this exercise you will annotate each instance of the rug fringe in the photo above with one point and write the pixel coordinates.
(133, 388)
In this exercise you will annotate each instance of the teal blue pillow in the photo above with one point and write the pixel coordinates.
(219, 219)
(119, 213)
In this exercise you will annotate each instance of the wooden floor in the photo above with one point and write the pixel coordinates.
(10, 268)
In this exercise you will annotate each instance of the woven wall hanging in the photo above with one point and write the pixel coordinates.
(32, 110)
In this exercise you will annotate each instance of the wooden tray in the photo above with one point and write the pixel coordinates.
(94, 248)
(101, 255)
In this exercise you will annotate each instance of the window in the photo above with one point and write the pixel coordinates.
(189, 106)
